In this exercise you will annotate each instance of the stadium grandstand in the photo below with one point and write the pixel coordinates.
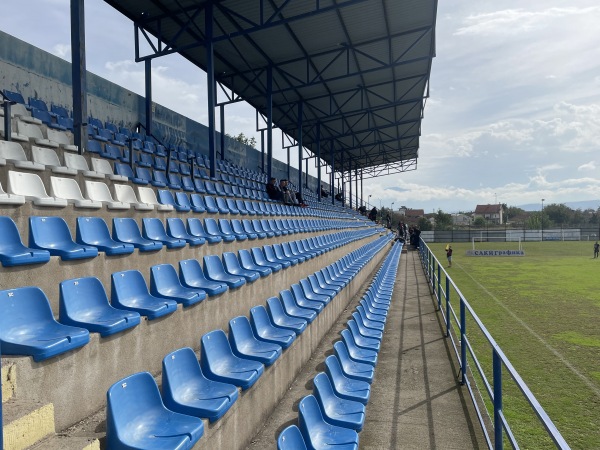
(154, 296)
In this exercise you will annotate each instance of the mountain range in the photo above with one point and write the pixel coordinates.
(583, 205)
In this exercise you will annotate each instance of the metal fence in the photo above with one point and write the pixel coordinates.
(457, 314)
(511, 235)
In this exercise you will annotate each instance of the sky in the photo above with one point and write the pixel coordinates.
(513, 115)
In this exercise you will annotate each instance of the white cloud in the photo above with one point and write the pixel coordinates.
(587, 166)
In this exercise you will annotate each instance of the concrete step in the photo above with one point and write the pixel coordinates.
(8, 378)
(26, 423)
(59, 442)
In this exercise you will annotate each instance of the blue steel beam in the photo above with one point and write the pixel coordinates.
(210, 89)
(300, 135)
(148, 100)
(78, 74)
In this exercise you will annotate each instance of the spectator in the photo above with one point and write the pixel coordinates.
(288, 198)
(324, 193)
(363, 210)
(339, 197)
(273, 191)
(373, 214)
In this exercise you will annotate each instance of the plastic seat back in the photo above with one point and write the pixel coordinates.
(219, 363)
(137, 418)
(291, 439)
(83, 303)
(52, 234)
(245, 345)
(214, 270)
(27, 326)
(127, 230)
(192, 275)
(93, 231)
(281, 319)
(12, 250)
(337, 411)
(186, 389)
(232, 266)
(30, 185)
(164, 282)
(129, 291)
(154, 229)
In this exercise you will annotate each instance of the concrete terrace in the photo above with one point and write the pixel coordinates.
(416, 400)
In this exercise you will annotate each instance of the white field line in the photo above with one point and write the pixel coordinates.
(562, 359)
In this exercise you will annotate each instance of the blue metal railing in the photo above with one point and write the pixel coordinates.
(500, 364)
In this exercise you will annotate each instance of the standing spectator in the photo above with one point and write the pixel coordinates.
(373, 214)
(388, 221)
(324, 193)
(449, 255)
(596, 249)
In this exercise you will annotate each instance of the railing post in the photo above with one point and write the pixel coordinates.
(498, 427)
(447, 306)
(439, 286)
(463, 341)
(7, 125)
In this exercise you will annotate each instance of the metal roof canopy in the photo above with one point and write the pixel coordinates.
(360, 68)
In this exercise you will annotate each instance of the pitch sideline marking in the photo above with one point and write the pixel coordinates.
(564, 360)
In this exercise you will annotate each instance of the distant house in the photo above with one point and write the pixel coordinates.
(491, 213)
(461, 219)
(412, 213)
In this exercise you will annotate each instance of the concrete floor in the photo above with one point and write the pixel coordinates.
(416, 401)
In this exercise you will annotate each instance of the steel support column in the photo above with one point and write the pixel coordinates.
(269, 122)
(332, 187)
(210, 87)
(319, 161)
(148, 87)
(343, 179)
(356, 184)
(288, 163)
(350, 186)
(306, 173)
(262, 151)
(79, 74)
(222, 129)
(361, 188)
(300, 118)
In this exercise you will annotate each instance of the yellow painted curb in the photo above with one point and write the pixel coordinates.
(92, 446)
(28, 430)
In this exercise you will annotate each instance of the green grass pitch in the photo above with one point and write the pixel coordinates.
(543, 309)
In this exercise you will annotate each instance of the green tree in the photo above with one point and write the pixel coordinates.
(479, 222)
(443, 221)
(558, 214)
(535, 220)
(424, 224)
(243, 139)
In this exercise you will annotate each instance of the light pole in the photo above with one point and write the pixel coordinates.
(369, 200)
(542, 219)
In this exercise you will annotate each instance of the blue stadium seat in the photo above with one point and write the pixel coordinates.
(197, 203)
(267, 227)
(243, 209)
(166, 197)
(222, 205)
(83, 303)
(173, 179)
(260, 260)
(372, 316)
(233, 209)
(12, 250)
(158, 174)
(126, 171)
(363, 341)
(211, 205)
(357, 353)
(364, 330)
(318, 289)
(164, 283)
(351, 368)
(127, 230)
(220, 364)
(250, 231)
(336, 410)
(226, 229)
(176, 229)
(195, 228)
(93, 231)
(27, 326)
(52, 234)
(320, 434)
(245, 344)
(182, 199)
(129, 291)
(343, 386)
(279, 254)
(320, 281)
(259, 228)
(232, 266)
(369, 323)
(211, 227)
(186, 389)
(312, 295)
(191, 275)
(238, 229)
(266, 331)
(246, 262)
(272, 258)
(153, 229)
(374, 308)
(210, 187)
(324, 276)
(214, 270)
(136, 418)
(304, 302)
(289, 253)
(292, 309)
(291, 439)
(281, 319)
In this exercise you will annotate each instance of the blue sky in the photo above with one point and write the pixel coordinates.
(513, 117)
